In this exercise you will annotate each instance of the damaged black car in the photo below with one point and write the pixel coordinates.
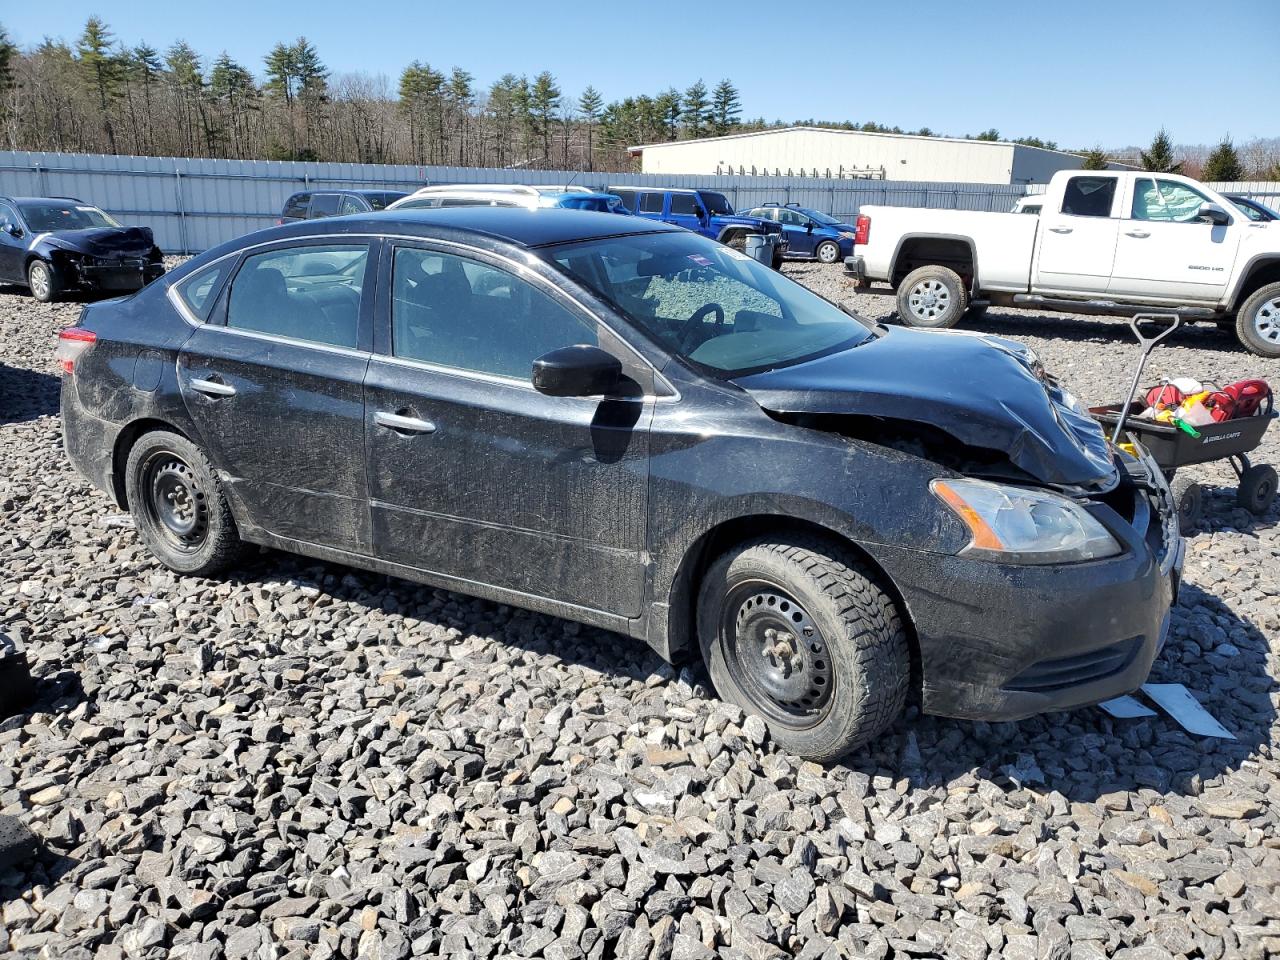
(55, 246)
(629, 425)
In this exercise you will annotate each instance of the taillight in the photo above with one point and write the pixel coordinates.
(73, 343)
(862, 229)
(279, 221)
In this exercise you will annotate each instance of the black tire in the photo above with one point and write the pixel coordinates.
(1258, 321)
(840, 680)
(42, 280)
(828, 251)
(1257, 488)
(1188, 498)
(933, 297)
(178, 506)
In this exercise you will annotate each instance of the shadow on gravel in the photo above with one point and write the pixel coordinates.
(1201, 336)
(26, 394)
(1220, 656)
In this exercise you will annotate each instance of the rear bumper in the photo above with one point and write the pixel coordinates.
(89, 442)
(856, 267)
(1003, 641)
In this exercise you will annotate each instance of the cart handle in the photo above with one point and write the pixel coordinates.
(1171, 321)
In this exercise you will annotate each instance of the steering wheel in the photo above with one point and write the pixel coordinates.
(689, 333)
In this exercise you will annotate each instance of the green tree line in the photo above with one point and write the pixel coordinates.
(103, 95)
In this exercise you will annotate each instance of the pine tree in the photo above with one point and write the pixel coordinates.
(7, 82)
(669, 107)
(233, 88)
(544, 101)
(102, 70)
(1159, 159)
(726, 108)
(1223, 165)
(696, 110)
(992, 134)
(421, 100)
(1094, 159)
(461, 92)
(589, 106)
(186, 77)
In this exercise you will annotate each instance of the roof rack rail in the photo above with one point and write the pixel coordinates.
(481, 187)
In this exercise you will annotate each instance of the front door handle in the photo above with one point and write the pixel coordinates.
(1140, 234)
(213, 388)
(402, 424)
(1060, 229)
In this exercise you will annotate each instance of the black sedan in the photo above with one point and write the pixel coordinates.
(60, 245)
(626, 424)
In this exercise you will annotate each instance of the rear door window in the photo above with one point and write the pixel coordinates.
(307, 293)
(651, 202)
(628, 198)
(1089, 196)
(324, 205)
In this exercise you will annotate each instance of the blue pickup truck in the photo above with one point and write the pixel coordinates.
(702, 211)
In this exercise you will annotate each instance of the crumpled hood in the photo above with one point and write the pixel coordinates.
(104, 241)
(985, 391)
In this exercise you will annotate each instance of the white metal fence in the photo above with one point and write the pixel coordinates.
(193, 204)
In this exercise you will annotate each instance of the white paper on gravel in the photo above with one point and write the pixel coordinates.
(1126, 708)
(1178, 702)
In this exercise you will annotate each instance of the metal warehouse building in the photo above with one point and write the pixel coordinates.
(820, 152)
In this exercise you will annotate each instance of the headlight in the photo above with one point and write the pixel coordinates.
(848, 235)
(1016, 525)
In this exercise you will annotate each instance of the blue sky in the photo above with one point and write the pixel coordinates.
(1084, 73)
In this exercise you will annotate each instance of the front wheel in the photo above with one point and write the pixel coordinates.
(828, 251)
(1258, 321)
(801, 634)
(1188, 497)
(933, 297)
(178, 506)
(42, 281)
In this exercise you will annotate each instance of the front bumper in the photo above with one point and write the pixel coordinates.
(857, 267)
(121, 276)
(1005, 641)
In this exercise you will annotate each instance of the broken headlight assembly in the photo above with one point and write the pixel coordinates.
(1009, 524)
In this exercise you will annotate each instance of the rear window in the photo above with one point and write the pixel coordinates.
(651, 202)
(380, 201)
(296, 206)
(628, 198)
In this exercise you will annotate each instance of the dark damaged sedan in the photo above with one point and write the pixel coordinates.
(60, 245)
(629, 425)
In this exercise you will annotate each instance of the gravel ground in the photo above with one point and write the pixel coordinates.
(302, 760)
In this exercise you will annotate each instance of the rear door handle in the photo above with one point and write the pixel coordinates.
(1060, 229)
(1136, 233)
(402, 424)
(213, 388)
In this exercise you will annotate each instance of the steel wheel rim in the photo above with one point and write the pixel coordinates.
(777, 655)
(40, 280)
(176, 506)
(1266, 320)
(929, 299)
(828, 252)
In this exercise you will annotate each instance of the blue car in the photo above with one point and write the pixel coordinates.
(811, 234)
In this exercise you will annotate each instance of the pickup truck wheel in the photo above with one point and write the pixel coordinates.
(801, 635)
(1258, 321)
(933, 297)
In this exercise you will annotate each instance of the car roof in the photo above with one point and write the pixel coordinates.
(627, 186)
(41, 199)
(516, 225)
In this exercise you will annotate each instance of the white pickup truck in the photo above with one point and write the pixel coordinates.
(1106, 242)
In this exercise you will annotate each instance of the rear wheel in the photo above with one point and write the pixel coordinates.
(42, 281)
(1188, 498)
(828, 251)
(802, 635)
(932, 296)
(178, 506)
(1258, 321)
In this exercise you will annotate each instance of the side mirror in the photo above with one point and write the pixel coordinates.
(13, 230)
(1214, 214)
(808, 227)
(577, 371)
